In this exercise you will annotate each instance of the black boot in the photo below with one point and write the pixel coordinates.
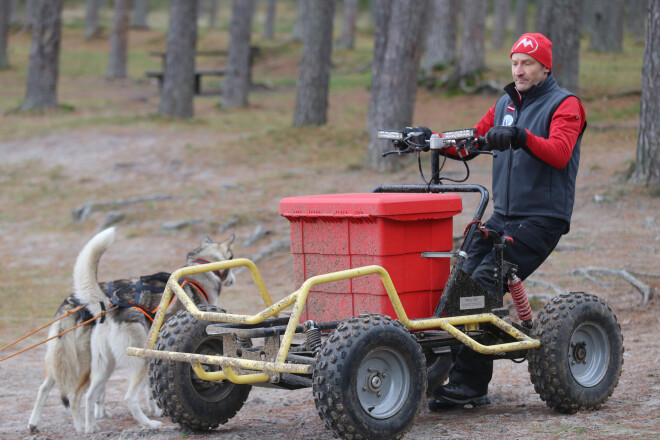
(454, 396)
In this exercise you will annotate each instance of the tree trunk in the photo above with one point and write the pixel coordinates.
(213, 13)
(351, 10)
(314, 80)
(176, 98)
(29, 15)
(119, 40)
(382, 10)
(442, 30)
(636, 19)
(43, 69)
(521, 19)
(140, 14)
(647, 167)
(607, 33)
(397, 80)
(500, 23)
(92, 27)
(544, 17)
(565, 37)
(472, 59)
(5, 17)
(269, 25)
(237, 83)
(14, 17)
(299, 27)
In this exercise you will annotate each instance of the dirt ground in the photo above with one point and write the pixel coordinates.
(614, 226)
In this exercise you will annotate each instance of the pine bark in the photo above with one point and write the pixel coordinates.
(14, 19)
(500, 23)
(314, 79)
(565, 37)
(238, 80)
(29, 15)
(43, 69)
(92, 26)
(636, 19)
(117, 60)
(472, 59)
(607, 33)
(347, 38)
(397, 79)
(442, 30)
(647, 167)
(299, 26)
(544, 16)
(140, 14)
(269, 25)
(521, 19)
(5, 17)
(176, 99)
(382, 10)
(213, 13)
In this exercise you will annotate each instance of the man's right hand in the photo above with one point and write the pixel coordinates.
(502, 137)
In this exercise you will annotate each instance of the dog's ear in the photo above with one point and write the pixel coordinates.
(207, 240)
(230, 240)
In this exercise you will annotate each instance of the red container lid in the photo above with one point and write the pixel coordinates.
(396, 206)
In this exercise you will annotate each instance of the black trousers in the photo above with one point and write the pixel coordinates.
(534, 238)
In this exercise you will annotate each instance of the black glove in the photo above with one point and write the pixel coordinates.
(423, 134)
(503, 137)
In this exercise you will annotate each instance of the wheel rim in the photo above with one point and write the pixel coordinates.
(206, 390)
(383, 383)
(589, 354)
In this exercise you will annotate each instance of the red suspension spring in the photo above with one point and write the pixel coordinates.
(519, 296)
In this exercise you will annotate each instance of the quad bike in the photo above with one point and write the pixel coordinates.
(370, 370)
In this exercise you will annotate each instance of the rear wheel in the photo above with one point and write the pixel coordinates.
(369, 379)
(580, 358)
(188, 400)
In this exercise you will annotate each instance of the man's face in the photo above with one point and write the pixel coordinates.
(527, 71)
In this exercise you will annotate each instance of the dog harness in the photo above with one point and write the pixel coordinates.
(123, 293)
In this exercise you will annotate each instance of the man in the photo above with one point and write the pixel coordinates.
(535, 132)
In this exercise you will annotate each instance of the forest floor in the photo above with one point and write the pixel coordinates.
(232, 168)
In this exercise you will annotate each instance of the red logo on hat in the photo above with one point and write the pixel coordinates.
(527, 42)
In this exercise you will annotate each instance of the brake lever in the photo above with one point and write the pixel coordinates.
(399, 152)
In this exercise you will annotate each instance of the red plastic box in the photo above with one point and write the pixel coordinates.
(343, 231)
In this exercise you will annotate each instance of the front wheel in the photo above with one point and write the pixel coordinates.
(580, 358)
(190, 401)
(370, 379)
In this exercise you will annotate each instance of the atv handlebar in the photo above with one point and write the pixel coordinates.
(465, 142)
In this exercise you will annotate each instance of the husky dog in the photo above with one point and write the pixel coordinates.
(83, 359)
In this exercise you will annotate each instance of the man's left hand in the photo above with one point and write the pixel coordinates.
(503, 137)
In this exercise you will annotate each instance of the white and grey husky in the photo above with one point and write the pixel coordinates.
(83, 359)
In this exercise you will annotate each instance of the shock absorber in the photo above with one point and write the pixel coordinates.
(519, 296)
(313, 336)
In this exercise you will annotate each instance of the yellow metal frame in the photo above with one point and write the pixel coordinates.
(268, 370)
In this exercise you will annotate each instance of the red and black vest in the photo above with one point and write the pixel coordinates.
(523, 184)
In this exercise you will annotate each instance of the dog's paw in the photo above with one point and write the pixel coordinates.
(101, 413)
(153, 424)
(91, 429)
(33, 428)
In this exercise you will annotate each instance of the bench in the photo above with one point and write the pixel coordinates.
(159, 75)
(197, 88)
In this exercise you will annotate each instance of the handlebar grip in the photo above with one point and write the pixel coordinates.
(482, 144)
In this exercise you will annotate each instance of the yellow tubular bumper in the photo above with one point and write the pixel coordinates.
(298, 300)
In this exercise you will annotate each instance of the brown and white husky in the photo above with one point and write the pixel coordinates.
(83, 360)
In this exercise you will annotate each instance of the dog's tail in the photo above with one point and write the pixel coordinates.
(85, 283)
